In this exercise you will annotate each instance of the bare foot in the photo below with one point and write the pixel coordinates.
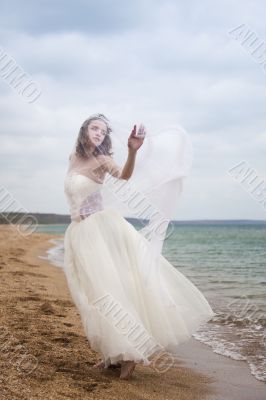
(127, 369)
(99, 365)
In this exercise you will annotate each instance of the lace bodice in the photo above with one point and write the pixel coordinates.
(83, 196)
(84, 181)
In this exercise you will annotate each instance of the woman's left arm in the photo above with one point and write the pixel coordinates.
(129, 165)
(135, 141)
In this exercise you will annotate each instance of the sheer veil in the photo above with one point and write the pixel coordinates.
(152, 193)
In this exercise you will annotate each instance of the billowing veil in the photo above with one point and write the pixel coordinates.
(152, 193)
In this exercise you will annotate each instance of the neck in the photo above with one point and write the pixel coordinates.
(90, 149)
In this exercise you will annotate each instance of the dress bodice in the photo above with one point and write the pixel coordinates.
(83, 196)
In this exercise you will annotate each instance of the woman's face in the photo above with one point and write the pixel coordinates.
(97, 130)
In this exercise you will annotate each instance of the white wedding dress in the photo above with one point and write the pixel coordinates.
(123, 317)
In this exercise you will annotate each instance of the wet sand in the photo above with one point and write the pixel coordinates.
(46, 355)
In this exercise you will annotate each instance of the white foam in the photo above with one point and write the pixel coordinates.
(55, 253)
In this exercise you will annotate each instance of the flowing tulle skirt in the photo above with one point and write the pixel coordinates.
(123, 318)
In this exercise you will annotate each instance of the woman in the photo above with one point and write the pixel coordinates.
(105, 258)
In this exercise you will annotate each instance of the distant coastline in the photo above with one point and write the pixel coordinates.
(47, 218)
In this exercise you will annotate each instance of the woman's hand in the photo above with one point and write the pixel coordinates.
(135, 139)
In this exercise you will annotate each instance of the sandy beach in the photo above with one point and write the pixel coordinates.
(45, 353)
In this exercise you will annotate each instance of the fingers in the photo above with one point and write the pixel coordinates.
(133, 132)
(141, 131)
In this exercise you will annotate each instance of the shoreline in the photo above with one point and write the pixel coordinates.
(39, 313)
(232, 378)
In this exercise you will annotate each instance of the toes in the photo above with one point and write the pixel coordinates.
(127, 370)
(100, 364)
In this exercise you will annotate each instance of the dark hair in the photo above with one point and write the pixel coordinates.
(83, 140)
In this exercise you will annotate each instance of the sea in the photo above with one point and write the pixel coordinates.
(228, 264)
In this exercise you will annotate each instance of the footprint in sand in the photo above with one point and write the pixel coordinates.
(19, 252)
(67, 324)
(29, 298)
(22, 273)
(42, 288)
(34, 265)
(73, 334)
(63, 340)
(47, 308)
(15, 259)
(65, 303)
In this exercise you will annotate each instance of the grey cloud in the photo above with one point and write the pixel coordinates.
(156, 62)
(98, 17)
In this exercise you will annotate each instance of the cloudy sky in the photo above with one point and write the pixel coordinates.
(157, 62)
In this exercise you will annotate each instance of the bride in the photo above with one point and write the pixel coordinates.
(126, 318)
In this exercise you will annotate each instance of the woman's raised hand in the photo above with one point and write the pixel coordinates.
(136, 139)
